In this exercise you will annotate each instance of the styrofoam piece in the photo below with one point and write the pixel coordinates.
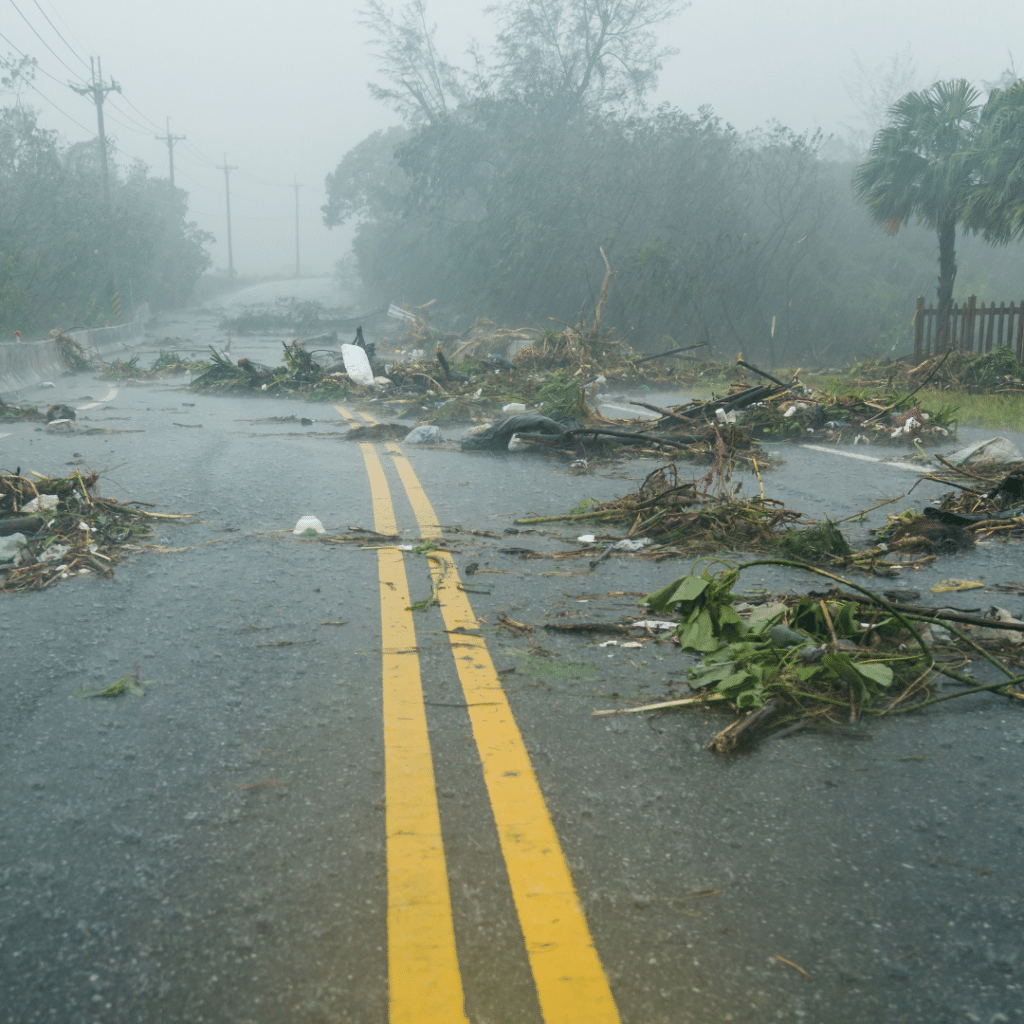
(307, 523)
(513, 407)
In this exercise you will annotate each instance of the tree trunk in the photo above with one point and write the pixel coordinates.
(947, 275)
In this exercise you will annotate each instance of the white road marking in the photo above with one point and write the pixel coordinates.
(866, 458)
(92, 405)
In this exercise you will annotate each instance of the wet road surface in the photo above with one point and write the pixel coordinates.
(411, 815)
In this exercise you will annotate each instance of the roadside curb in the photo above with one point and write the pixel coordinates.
(24, 364)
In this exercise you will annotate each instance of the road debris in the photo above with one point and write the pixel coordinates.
(18, 413)
(821, 656)
(74, 532)
(308, 526)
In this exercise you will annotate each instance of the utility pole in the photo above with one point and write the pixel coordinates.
(171, 140)
(297, 186)
(227, 191)
(98, 91)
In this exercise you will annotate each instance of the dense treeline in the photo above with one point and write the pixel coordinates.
(55, 268)
(497, 193)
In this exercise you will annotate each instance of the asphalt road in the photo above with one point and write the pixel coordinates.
(413, 816)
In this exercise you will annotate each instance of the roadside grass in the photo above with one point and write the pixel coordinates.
(993, 411)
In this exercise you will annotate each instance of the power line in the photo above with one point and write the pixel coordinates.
(36, 89)
(44, 42)
(59, 36)
(139, 126)
(262, 181)
(139, 112)
(69, 29)
(36, 65)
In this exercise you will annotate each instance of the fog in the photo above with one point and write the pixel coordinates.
(281, 88)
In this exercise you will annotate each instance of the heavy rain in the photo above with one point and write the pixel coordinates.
(511, 515)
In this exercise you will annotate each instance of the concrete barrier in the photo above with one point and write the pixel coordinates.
(24, 364)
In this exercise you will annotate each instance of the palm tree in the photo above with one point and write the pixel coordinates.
(922, 164)
(996, 207)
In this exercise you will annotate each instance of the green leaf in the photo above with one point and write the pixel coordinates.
(874, 672)
(699, 635)
(686, 588)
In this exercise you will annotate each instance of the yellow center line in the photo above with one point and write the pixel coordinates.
(571, 984)
(425, 986)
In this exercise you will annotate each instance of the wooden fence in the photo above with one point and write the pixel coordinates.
(973, 327)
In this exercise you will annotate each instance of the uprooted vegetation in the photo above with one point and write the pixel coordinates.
(167, 364)
(54, 528)
(826, 658)
(676, 517)
(16, 413)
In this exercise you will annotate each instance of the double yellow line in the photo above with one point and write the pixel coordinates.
(425, 984)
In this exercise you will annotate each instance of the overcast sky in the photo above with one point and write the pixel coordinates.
(281, 86)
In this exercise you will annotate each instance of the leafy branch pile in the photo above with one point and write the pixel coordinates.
(822, 658)
(13, 413)
(682, 519)
(69, 529)
(298, 377)
(992, 507)
(165, 365)
(795, 413)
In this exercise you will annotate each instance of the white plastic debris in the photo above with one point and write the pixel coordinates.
(609, 643)
(909, 427)
(579, 466)
(517, 444)
(998, 449)
(41, 504)
(426, 433)
(633, 544)
(357, 366)
(60, 427)
(382, 380)
(512, 408)
(307, 523)
(654, 625)
(633, 643)
(56, 552)
(587, 538)
(725, 417)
